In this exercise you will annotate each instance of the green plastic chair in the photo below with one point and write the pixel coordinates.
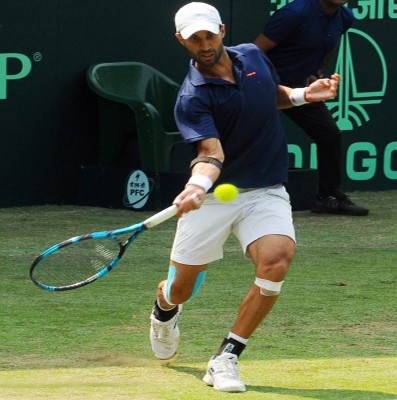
(126, 86)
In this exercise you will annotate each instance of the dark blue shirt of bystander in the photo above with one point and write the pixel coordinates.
(305, 35)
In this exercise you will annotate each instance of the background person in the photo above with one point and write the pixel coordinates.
(299, 38)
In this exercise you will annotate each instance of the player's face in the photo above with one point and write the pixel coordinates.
(205, 47)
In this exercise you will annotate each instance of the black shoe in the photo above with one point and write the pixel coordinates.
(332, 205)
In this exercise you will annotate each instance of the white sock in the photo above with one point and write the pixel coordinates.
(232, 335)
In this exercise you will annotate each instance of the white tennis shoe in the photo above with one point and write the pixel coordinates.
(164, 336)
(222, 374)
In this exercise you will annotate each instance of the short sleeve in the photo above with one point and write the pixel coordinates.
(194, 118)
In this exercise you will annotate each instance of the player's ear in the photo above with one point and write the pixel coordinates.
(223, 30)
(180, 38)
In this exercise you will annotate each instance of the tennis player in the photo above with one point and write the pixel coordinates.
(227, 110)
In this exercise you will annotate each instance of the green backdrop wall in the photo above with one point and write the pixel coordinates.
(48, 115)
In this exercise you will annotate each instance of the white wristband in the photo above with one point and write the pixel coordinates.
(297, 97)
(201, 180)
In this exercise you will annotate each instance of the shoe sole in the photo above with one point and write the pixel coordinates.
(166, 358)
(210, 382)
(167, 361)
(351, 214)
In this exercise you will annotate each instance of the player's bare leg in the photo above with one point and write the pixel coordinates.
(164, 329)
(271, 255)
(182, 284)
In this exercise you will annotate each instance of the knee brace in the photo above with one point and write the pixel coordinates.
(268, 288)
(170, 279)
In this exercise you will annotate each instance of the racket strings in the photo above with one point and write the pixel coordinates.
(103, 256)
(76, 262)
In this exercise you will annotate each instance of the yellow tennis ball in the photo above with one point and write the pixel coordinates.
(226, 192)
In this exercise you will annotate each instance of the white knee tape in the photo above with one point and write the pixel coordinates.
(166, 293)
(268, 288)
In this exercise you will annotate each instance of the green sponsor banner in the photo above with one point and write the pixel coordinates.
(49, 117)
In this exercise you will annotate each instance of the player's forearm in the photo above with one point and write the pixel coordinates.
(209, 159)
(283, 99)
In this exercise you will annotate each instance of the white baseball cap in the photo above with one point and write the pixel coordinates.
(195, 17)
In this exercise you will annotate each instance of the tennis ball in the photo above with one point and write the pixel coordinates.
(226, 192)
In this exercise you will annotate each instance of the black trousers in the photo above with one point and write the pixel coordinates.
(317, 121)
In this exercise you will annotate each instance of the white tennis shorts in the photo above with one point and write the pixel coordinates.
(255, 213)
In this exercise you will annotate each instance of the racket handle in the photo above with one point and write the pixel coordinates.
(161, 216)
(165, 214)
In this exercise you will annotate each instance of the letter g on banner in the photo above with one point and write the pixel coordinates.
(26, 67)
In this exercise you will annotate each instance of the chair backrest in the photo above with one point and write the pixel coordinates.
(130, 82)
(151, 96)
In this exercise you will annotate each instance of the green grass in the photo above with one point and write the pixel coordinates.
(332, 334)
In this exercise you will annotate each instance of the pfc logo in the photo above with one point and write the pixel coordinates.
(25, 66)
(138, 189)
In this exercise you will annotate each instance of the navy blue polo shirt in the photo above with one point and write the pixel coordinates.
(304, 34)
(242, 115)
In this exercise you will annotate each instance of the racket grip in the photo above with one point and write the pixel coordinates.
(165, 214)
(161, 216)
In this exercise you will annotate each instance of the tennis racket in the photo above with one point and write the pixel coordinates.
(81, 260)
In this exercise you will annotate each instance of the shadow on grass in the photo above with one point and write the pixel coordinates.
(320, 394)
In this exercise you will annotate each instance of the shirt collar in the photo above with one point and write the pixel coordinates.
(198, 79)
